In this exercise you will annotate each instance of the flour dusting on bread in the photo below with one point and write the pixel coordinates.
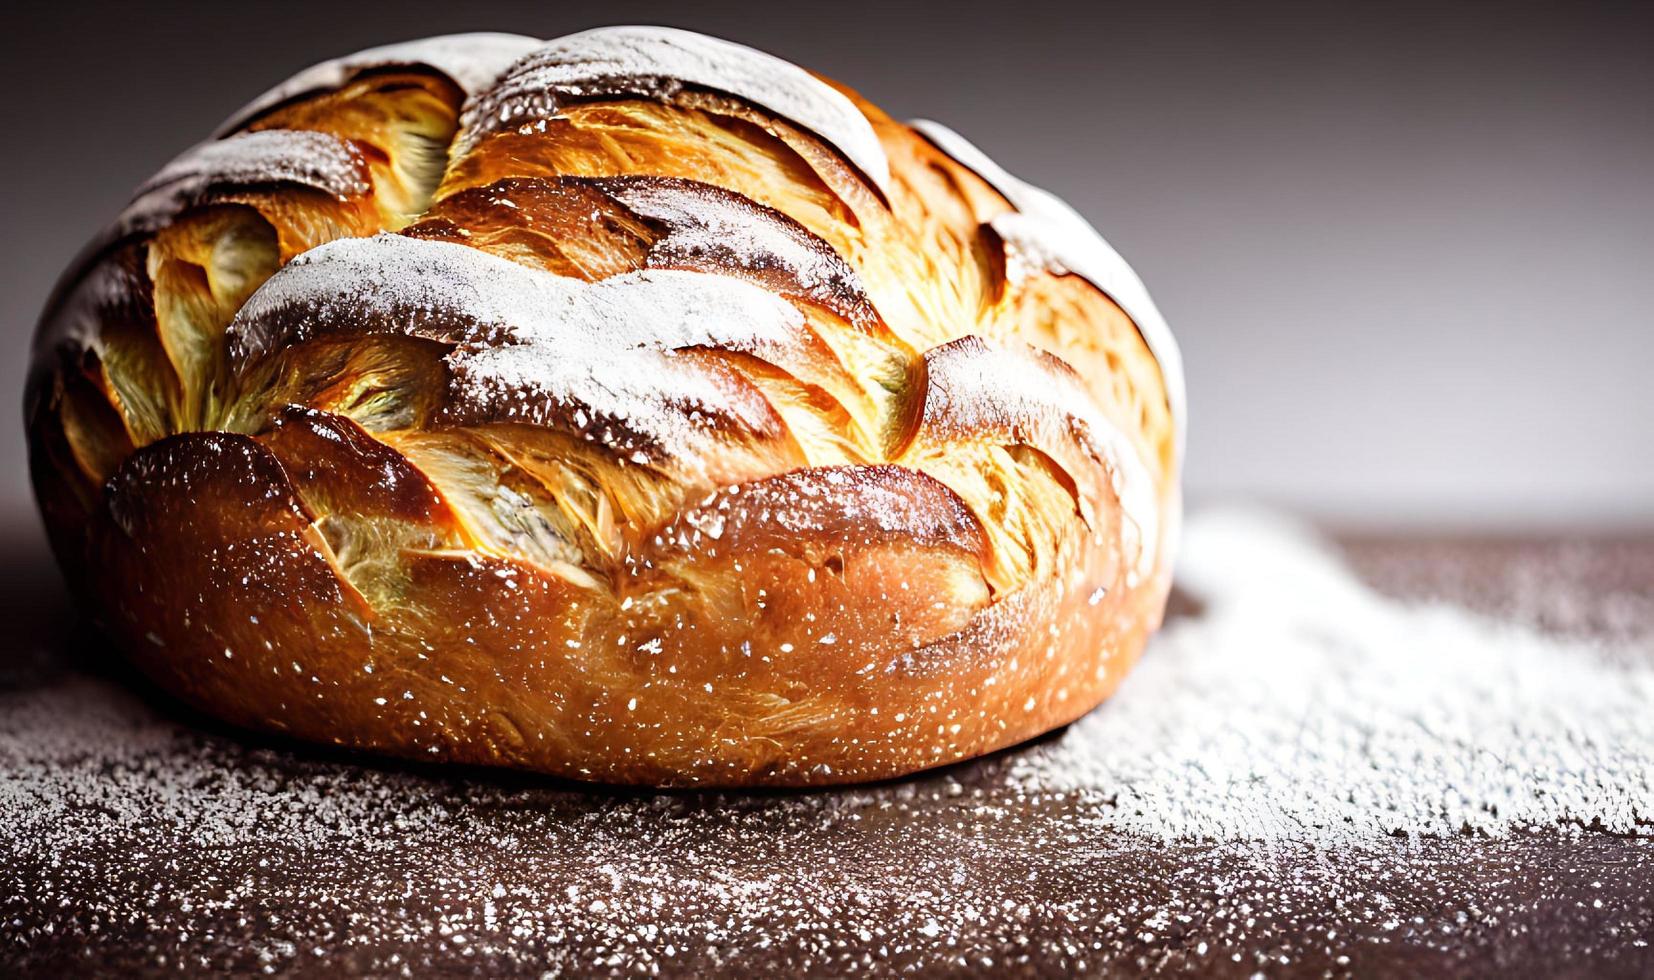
(471, 61)
(654, 61)
(1049, 234)
(316, 161)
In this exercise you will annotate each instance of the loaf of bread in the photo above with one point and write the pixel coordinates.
(634, 406)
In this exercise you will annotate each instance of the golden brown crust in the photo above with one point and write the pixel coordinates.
(779, 474)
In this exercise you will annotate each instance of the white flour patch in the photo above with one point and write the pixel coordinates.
(977, 385)
(315, 160)
(1046, 232)
(655, 62)
(537, 347)
(1302, 705)
(472, 61)
(710, 228)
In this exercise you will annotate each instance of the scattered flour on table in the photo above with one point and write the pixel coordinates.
(1287, 731)
(1301, 704)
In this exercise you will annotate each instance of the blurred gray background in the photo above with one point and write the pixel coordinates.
(1408, 248)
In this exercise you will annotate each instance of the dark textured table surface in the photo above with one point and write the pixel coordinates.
(183, 847)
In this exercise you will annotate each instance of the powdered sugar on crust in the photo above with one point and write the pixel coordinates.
(315, 160)
(657, 61)
(858, 505)
(976, 387)
(607, 348)
(461, 295)
(645, 405)
(707, 225)
(532, 346)
(391, 283)
(1046, 232)
(472, 61)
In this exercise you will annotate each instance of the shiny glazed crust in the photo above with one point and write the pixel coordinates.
(628, 426)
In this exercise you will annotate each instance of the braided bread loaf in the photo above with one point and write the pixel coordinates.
(634, 407)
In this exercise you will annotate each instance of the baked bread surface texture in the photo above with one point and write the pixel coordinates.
(633, 406)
